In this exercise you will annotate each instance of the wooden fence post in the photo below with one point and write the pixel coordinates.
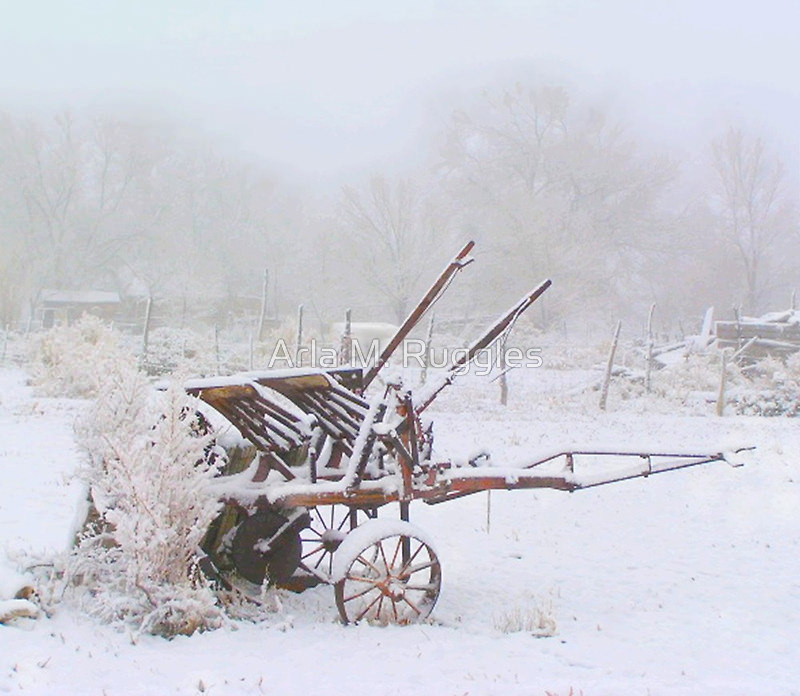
(722, 380)
(262, 315)
(346, 340)
(216, 349)
(297, 355)
(148, 314)
(609, 367)
(649, 369)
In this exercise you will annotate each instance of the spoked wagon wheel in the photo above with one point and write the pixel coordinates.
(328, 527)
(386, 572)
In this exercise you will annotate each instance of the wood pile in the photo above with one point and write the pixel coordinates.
(776, 333)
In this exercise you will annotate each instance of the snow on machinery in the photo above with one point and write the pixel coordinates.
(329, 454)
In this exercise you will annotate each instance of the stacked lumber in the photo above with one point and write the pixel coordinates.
(776, 333)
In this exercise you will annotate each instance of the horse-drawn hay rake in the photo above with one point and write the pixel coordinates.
(328, 455)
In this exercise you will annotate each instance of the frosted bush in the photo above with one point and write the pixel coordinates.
(775, 389)
(136, 561)
(169, 349)
(536, 617)
(72, 361)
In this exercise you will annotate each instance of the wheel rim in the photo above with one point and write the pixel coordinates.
(322, 537)
(395, 580)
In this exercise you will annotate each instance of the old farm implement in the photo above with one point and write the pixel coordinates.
(328, 452)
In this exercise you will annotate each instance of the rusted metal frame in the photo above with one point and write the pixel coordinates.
(355, 412)
(366, 450)
(255, 435)
(315, 446)
(280, 414)
(339, 449)
(305, 401)
(255, 410)
(469, 485)
(268, 461)
(410, 460)
(336, 429)
(486, 340)
(571, 454)
(459, 261)
(335, 411)
(360, 497)
(238, 415)
(502, 324)
(405, 460)
(345, 394)
(458, 487)
(259, 388)
(651, 471)
(256, 420)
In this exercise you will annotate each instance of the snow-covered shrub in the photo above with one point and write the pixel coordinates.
(169, 349)
(73, 361)
(148, 472)
(775, 389)
(783, 400)
(536, 617)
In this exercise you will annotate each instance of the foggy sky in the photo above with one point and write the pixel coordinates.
(325, 89)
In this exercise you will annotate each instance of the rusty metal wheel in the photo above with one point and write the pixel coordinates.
(328, 527)
(386, 572)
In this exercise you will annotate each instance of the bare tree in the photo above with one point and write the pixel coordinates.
(753, 208)
(557, 190)
(396, 228)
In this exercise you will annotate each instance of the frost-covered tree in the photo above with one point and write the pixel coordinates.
(556, 189)
(395, 235)
(148, 471)
(75, 361)
(756, 217)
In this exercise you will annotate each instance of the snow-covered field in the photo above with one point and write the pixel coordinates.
(685, 583)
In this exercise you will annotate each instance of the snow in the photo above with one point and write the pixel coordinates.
(685, 583)
(11, 609)
(369, 533)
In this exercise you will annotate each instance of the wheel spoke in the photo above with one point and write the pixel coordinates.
(407, 601)
(369, 606)
(362, 593)
(361, 578)
(422, 588)
(420, 566)
(319, 515)
(411, 559)
(399, 577)
(383, 555)
(311, 553)
(380, 605)
(397, 549)
(365, 562)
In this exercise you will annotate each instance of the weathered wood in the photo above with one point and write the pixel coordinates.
(299, 341)
(776, 331)
(722, 382)
(345, 356)
(146, 332)
(609, 367)
(650, 342)
(262, 314)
